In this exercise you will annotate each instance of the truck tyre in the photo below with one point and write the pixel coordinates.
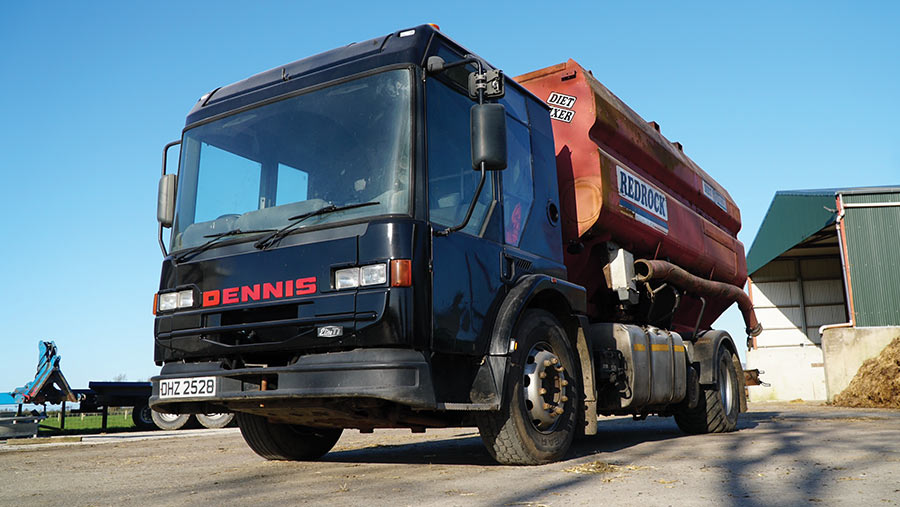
(719, 405)
(537, 422)
(173, 421)
(276, 441)
(215, 421)
(142, 417)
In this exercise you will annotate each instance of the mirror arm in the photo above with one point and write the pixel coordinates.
(441, 67)
(471, 209)
(162, 244)
(166, 152)
(464, 61)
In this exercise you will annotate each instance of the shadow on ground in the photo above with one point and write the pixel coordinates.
(466, 447)
(783, 448)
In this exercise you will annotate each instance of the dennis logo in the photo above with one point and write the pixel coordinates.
(259, 292)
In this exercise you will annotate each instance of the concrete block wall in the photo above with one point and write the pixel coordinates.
(793, 372)
(846, 349)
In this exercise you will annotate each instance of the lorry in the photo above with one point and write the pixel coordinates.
(392, 234)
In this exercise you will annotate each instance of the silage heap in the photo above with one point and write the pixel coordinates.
(877, 383)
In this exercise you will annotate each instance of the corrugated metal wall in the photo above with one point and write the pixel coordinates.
(873, 244)
(793, 297)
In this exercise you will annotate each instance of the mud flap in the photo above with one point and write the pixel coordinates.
(741, 380)
(586, 358)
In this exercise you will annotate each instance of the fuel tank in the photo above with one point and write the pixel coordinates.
(622, 181)
(654, 366)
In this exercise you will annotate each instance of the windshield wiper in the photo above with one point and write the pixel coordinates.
(273, 238)
(214, 239)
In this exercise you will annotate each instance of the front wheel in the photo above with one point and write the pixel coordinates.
(719, 405)
(276, 441)
(537, 422)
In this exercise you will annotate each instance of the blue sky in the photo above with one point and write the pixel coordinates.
(765, 97)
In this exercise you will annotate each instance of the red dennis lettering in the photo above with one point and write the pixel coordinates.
(259, 292)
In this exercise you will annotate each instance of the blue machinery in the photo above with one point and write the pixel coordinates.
(49, 386)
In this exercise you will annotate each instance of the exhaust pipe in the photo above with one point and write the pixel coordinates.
(646, 270)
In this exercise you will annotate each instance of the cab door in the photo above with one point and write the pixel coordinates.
(466, 265)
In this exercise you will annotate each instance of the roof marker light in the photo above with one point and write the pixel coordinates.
(407, 33)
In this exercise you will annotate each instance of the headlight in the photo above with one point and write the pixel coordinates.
(168, 301)
(185, 299)
(348, 278)
(372, 275)
(171, 300)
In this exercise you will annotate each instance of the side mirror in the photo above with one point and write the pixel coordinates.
(165, 204)
(434, 65)
(488, 123)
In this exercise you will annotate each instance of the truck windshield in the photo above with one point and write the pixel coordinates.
(346, 144)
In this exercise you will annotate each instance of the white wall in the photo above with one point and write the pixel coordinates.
(792, 298)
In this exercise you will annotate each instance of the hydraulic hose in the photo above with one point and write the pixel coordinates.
(646, 270)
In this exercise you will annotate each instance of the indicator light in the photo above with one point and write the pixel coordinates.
(401, 273)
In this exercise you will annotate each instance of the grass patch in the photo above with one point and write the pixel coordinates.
(86, 424)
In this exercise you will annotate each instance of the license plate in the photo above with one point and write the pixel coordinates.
(187, 387)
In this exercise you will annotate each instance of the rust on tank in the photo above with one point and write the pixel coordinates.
(622, 180)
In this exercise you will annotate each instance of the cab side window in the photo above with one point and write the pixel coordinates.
(451, 179)
(518, 178)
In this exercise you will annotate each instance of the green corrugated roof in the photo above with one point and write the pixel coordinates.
(793, 216)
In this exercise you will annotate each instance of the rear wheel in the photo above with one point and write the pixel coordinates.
(214, 421)
(719, 405)
(286, 441)
(173, 421)
(538, 421)
(142, 417)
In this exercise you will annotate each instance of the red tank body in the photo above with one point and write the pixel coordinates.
(620, 180)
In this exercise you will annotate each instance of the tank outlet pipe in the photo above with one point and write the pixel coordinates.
(647, 270)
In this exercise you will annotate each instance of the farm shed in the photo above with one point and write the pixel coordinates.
(825, 282)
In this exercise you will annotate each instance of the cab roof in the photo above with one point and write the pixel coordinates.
(408, 46)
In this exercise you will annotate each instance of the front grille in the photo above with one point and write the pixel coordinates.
(257, 314)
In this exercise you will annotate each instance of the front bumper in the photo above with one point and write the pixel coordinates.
(402, 376)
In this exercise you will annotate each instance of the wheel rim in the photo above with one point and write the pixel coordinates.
(168, 417)
(726, 387)
(544, 382)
